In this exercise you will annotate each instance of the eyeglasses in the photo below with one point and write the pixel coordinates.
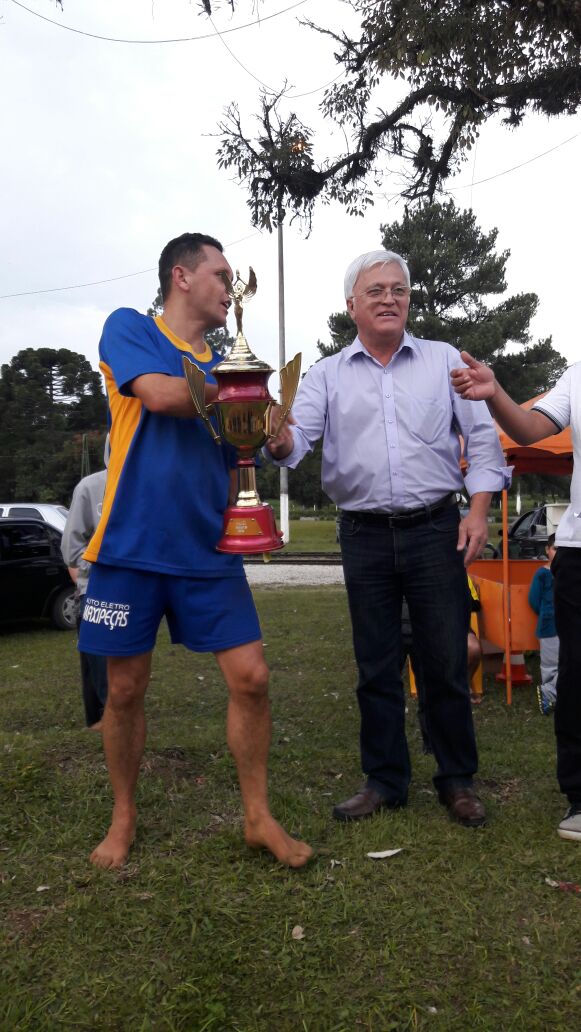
(382, 293)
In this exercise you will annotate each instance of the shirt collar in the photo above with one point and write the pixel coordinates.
(356, 348)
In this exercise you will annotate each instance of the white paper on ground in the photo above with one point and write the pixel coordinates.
(384, 855)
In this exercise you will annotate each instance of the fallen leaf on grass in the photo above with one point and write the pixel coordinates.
(384, 855)
(336, 863)
(43, 888)
(298, 932)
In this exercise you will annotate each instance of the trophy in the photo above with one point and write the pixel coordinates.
(244, 411)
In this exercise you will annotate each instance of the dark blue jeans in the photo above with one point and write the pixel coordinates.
(420, 563)
(566, 568)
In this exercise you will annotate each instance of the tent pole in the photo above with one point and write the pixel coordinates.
(505, 598)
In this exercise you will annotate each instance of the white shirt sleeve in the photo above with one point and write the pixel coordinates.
(557, 403)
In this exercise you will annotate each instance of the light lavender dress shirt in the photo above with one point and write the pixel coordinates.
(391, 433)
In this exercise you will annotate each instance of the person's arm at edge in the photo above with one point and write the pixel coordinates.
(478, 383)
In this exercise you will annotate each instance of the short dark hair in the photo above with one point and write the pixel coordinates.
(551, 541)
(184, 249)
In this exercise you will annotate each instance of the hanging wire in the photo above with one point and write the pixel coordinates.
(182, 39)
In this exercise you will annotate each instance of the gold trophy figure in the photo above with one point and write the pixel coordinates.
(244, 410)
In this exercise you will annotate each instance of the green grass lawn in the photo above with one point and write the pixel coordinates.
(460, 931)
(312, 536)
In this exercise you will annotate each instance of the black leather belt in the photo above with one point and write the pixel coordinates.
(410, 518)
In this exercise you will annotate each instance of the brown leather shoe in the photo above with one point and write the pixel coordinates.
(364, 803)
(464, 806)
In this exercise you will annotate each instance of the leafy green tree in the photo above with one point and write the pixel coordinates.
(418, 81)
(454, 271)
(49, 401)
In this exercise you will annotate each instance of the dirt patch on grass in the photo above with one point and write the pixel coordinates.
(21, 924)
(503, 791)
(172, 765)
(71, 760)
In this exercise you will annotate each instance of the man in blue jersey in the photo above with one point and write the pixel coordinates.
(153, 552)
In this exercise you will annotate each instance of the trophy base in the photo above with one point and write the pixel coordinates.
(249, 530)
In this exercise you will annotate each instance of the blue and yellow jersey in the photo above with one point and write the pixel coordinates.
(168, 481)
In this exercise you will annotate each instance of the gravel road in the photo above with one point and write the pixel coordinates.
(275, 574)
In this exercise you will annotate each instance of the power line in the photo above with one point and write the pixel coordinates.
(75, 286)
(468, 186)
(497, 175)
(112, 279)
(183, 39)
(288, 96)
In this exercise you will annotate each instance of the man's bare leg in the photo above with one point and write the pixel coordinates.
(123, 741)
(248, 730)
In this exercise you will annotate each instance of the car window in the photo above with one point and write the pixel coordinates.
(524, 525)
(19, 511)
(23, 542)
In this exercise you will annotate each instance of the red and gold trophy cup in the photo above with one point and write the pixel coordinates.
(244, 409)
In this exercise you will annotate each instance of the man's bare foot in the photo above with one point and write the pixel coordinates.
(95, 727)
(113, 851)
(268, 834)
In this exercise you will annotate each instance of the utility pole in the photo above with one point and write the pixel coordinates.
(284, 516)
(85, 457)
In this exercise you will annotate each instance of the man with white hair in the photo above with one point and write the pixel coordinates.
(391, 423)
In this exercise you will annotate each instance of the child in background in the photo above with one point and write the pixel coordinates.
(541, 601)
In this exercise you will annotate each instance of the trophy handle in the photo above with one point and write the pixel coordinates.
(196, 381)
(289, 381)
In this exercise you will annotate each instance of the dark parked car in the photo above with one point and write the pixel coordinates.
(527, 536)
(34, 581)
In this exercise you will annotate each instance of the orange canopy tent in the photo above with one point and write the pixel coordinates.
(554, 456)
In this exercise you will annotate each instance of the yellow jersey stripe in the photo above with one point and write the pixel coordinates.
(182, 345)
(125, 416)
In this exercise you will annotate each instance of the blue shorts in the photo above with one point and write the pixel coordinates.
(124, 608)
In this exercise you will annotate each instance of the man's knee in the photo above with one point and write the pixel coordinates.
(128, 682)
(250, 681)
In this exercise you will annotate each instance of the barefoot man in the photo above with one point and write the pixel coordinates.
(153, 552)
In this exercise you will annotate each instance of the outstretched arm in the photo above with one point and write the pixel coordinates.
(478, 383)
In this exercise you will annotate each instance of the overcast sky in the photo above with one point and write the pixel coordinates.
(107, 153)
